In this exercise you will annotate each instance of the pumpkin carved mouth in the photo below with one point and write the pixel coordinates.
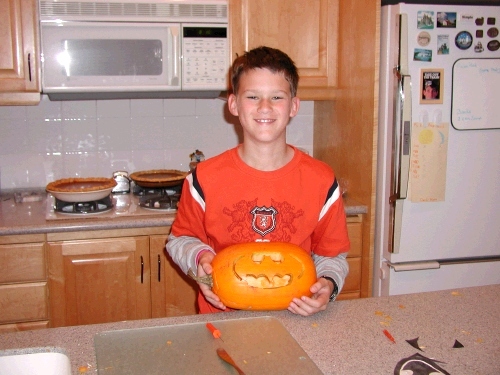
(278, 275)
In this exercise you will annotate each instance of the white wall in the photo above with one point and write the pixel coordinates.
(62, 139)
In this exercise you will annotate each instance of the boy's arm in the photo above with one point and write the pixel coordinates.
(185, 251)
(335, 267)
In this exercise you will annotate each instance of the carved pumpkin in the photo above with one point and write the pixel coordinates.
(262, 275)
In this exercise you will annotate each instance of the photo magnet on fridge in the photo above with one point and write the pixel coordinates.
(425, 19)
(443, 44)
(431, 84)
(446, 19)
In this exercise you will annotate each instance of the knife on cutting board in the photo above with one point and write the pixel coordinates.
(221, 352)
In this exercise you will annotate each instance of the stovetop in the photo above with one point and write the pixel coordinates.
(122, 205)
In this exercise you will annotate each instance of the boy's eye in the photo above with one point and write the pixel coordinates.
(277, 97)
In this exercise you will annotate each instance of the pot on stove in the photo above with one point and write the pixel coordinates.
(122, 182)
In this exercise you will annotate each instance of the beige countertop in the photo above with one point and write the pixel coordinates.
(347, 338)
(30, 218)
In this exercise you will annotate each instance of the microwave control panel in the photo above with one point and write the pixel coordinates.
(205, 55)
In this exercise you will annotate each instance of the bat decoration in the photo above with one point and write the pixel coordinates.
(417, 364)
(414, 343)
(457, 345)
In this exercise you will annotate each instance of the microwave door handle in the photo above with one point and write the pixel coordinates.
(175, 53)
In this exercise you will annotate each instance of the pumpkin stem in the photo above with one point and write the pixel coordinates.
(207, 279)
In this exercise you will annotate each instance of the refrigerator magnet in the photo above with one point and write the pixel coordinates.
(423, 38)
(463, 40)
(425, 19)
(446, 19)
(432, 84)
(443, 44)
(420, 54)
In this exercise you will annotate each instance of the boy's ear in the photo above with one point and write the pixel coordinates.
(231, 103)
(295, 106)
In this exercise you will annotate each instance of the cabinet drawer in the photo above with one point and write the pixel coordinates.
(23, 302)
(353, 279)
(27, 326)
(22, 263)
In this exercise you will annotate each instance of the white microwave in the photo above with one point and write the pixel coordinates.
(133, 48)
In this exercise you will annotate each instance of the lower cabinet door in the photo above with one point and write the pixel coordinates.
(99, 280)
(172, 292)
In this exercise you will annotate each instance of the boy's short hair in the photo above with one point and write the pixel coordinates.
(265, 58)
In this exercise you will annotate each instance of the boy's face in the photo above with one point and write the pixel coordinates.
(264, 105)
(430, 93)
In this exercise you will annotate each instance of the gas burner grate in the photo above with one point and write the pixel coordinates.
(83, 208)
(156, 191)
(159, 202)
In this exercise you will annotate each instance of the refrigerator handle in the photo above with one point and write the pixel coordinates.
(402, 143)
(405, 137)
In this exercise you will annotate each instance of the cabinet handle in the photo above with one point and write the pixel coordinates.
(29, 66)
(142, 270)
(159, 268)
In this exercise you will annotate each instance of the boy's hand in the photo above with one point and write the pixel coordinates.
(205, 268)
(321, 290)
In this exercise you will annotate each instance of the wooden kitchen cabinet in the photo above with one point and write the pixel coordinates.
(19, 52)
(345, 129)
(113, 275)
(172, 292)
(307, 30)
(99, 280)
(23, 283)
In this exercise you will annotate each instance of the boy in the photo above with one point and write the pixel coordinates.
(264, 189)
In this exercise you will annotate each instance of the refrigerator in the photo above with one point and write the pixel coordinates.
(437, 221)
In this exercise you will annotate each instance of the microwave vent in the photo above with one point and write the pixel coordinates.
(164, 11)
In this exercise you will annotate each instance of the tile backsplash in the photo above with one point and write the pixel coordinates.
(62, 139)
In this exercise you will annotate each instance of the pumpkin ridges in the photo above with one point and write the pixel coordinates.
(235, 292)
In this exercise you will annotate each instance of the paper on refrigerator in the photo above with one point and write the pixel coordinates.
(428, 160)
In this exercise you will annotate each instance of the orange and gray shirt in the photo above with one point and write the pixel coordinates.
(224, 201)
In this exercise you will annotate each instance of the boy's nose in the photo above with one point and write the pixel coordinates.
(265, 105)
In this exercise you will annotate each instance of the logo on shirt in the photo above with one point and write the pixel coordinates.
(277, 223)
(264, 220)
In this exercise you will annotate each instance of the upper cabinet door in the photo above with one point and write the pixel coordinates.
(19, 54)
(304, 29)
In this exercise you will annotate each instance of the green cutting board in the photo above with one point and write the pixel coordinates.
(258, 345)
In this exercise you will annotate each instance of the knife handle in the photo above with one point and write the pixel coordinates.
(215, 332)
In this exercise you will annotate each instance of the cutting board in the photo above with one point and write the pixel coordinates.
(258, 345)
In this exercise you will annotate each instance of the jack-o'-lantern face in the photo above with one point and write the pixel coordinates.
(268, 269)
(262, 275)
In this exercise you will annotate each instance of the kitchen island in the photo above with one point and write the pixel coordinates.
(459, 329)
